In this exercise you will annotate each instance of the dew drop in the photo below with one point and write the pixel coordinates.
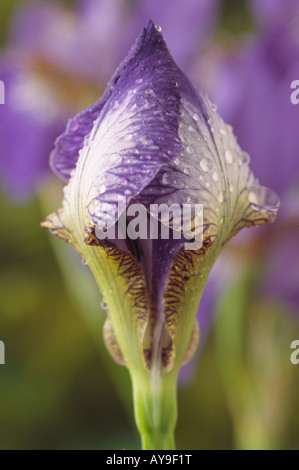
(149, 92)
(229, 156)
(220, 197)
(84, 262)
(128, 137)
(144, 140)
(102, 189)
(121, 181)
(166, 178)
(73, 127)
(244, 159)
(231, 188)
(222, 131)
(115, 158)
(158, 28)
(93, 144)
(215, 176)
(139, 80)
(205, 164)
(263, 198)
(104, 306)
(189, 149)
(186, 171)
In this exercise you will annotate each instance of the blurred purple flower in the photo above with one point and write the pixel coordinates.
(253, 94)
(58, 60)
(268, 12)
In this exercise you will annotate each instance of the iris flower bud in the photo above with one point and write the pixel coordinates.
(153, 139)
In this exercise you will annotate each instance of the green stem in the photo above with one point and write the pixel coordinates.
(155, 406)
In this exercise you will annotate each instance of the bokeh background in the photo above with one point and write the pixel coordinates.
(58, 388)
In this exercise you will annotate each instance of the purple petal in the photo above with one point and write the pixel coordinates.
(66, 153)
(136, 131)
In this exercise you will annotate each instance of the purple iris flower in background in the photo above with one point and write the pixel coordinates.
(57, 61)
(256, 78)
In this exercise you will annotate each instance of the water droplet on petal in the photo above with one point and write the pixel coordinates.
(189, 149)
(215, 176)
(102, 189)
(73, 126)
(166, 179)
(244, 159)
(128, 137)
(139, 80)
(264, 199)
(144, 140)
(158, 28)
(205, 164)
(121, 181)
(115, 158)
(222, 131)
(186, 171)
(229, 156)
(93, 144)
(104, 306)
